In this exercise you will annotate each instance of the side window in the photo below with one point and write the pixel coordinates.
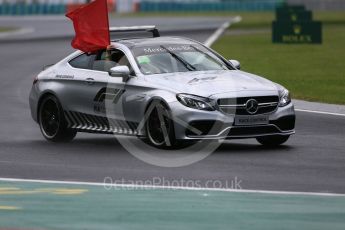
(82, 62)
(106, 60)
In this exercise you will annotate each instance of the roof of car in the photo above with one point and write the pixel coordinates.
(130, 43)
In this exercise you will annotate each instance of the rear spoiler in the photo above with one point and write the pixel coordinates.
(150, 29)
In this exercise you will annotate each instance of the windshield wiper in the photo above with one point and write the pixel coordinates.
(209, 56)
(189, 66)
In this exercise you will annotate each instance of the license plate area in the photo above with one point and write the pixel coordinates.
(251, 120)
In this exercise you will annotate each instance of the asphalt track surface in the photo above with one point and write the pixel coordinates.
(313, 160)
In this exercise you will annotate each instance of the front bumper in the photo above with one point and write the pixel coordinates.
(192, 124)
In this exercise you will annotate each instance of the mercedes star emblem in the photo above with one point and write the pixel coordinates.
(252, 106)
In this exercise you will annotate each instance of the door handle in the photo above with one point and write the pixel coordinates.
(90, 81)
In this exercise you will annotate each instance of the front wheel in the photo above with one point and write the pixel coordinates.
(159, 126)
(52, 121)
(272, 141)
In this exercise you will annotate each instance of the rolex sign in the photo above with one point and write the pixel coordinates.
(297, 32)
(294, 24)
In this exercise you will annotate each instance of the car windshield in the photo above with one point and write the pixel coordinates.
(176, 58)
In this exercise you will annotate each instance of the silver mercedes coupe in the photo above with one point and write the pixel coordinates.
(165, 90)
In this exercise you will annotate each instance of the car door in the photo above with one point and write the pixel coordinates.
(109, 101)
(108, 89)
(124, 100)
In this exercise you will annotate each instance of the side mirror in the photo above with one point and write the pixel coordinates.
(120, 71)
(235, 63)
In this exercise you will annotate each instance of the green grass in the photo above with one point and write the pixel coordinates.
(310, 72)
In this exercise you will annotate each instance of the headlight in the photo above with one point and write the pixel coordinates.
(284, 97)
(195, 102)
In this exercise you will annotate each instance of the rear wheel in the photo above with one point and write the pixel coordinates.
(52, 121)
(272, 141)
(159, 126)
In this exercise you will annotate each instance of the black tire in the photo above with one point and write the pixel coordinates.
(52, 121)
(272, 141)
(159, 126)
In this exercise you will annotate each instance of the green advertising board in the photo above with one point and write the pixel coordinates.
(298, 32)
(294, 24)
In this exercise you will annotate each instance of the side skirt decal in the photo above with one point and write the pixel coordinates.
(91, 123)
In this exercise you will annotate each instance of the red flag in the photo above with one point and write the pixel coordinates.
(91, 25)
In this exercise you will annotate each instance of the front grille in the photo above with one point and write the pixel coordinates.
(252, 131)
(267, 104)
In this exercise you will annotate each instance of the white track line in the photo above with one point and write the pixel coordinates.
(320, 112)
(214, 37)
(133, 186)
